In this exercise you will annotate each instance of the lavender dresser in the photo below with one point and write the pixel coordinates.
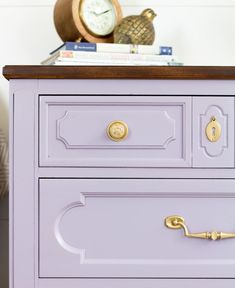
(122, 177)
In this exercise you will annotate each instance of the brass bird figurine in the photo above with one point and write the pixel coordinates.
(136, 29)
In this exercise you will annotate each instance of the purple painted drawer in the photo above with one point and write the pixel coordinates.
(151, 131)
(115, 228)
(213, 115)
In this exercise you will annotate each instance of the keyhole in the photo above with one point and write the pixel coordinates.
(213, 131)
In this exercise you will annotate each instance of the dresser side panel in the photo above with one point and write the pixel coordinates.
(22, 184)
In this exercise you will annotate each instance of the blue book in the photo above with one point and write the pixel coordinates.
(115, 48)
(165, 50)
(76, 46)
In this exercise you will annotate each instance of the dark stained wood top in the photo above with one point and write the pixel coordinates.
(118, 72)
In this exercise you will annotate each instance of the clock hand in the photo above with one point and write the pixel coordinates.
(94, 13)
(103, 12)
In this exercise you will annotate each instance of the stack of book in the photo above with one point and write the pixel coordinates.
(105, 54)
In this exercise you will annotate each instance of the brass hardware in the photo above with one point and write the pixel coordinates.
(117, 130)
(177, 222)
(136, 29)
(213, 130)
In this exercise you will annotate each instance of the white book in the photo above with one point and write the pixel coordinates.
(77, 63)
(100, 57)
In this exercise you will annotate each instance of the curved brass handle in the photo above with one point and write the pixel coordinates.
(117, 130)
(213, 130)
(177, 222)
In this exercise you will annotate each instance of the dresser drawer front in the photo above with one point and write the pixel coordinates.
(209, 152)
(115, 228)
(73, 131)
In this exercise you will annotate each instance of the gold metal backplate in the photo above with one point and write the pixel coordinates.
(213, 130)
(174, 222)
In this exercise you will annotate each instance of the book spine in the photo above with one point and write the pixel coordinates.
(100, 57)
(118, 48)
(81, 46)
(109, 63)
(165, 50)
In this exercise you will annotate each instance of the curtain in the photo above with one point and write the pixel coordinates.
(3, 166)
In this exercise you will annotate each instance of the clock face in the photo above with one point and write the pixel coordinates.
(99, 16)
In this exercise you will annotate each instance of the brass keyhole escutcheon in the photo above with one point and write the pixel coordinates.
(117, 130)
(213, 130)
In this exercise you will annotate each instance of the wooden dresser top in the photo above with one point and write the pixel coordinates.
(119, 72)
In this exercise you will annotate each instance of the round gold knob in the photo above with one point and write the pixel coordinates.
(117, 130)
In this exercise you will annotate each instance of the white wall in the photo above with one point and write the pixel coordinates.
(202, 32)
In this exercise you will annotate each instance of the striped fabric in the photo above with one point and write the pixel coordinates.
(3, 166)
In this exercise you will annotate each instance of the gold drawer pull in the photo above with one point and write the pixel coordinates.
(213, 130)
(117, 130)
(177, 222)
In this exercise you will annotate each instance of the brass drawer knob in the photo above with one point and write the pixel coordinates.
(177, 222)
(117, 130)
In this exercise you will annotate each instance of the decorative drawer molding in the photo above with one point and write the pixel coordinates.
(115, 228)
(219, 153)
(73, 131)
(138, 3)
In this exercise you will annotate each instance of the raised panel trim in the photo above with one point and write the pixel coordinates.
(137, 283)
(184, 161)
(77, 190)
(82, 203)
(169, 138)
(222, 143)
(224, 148)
